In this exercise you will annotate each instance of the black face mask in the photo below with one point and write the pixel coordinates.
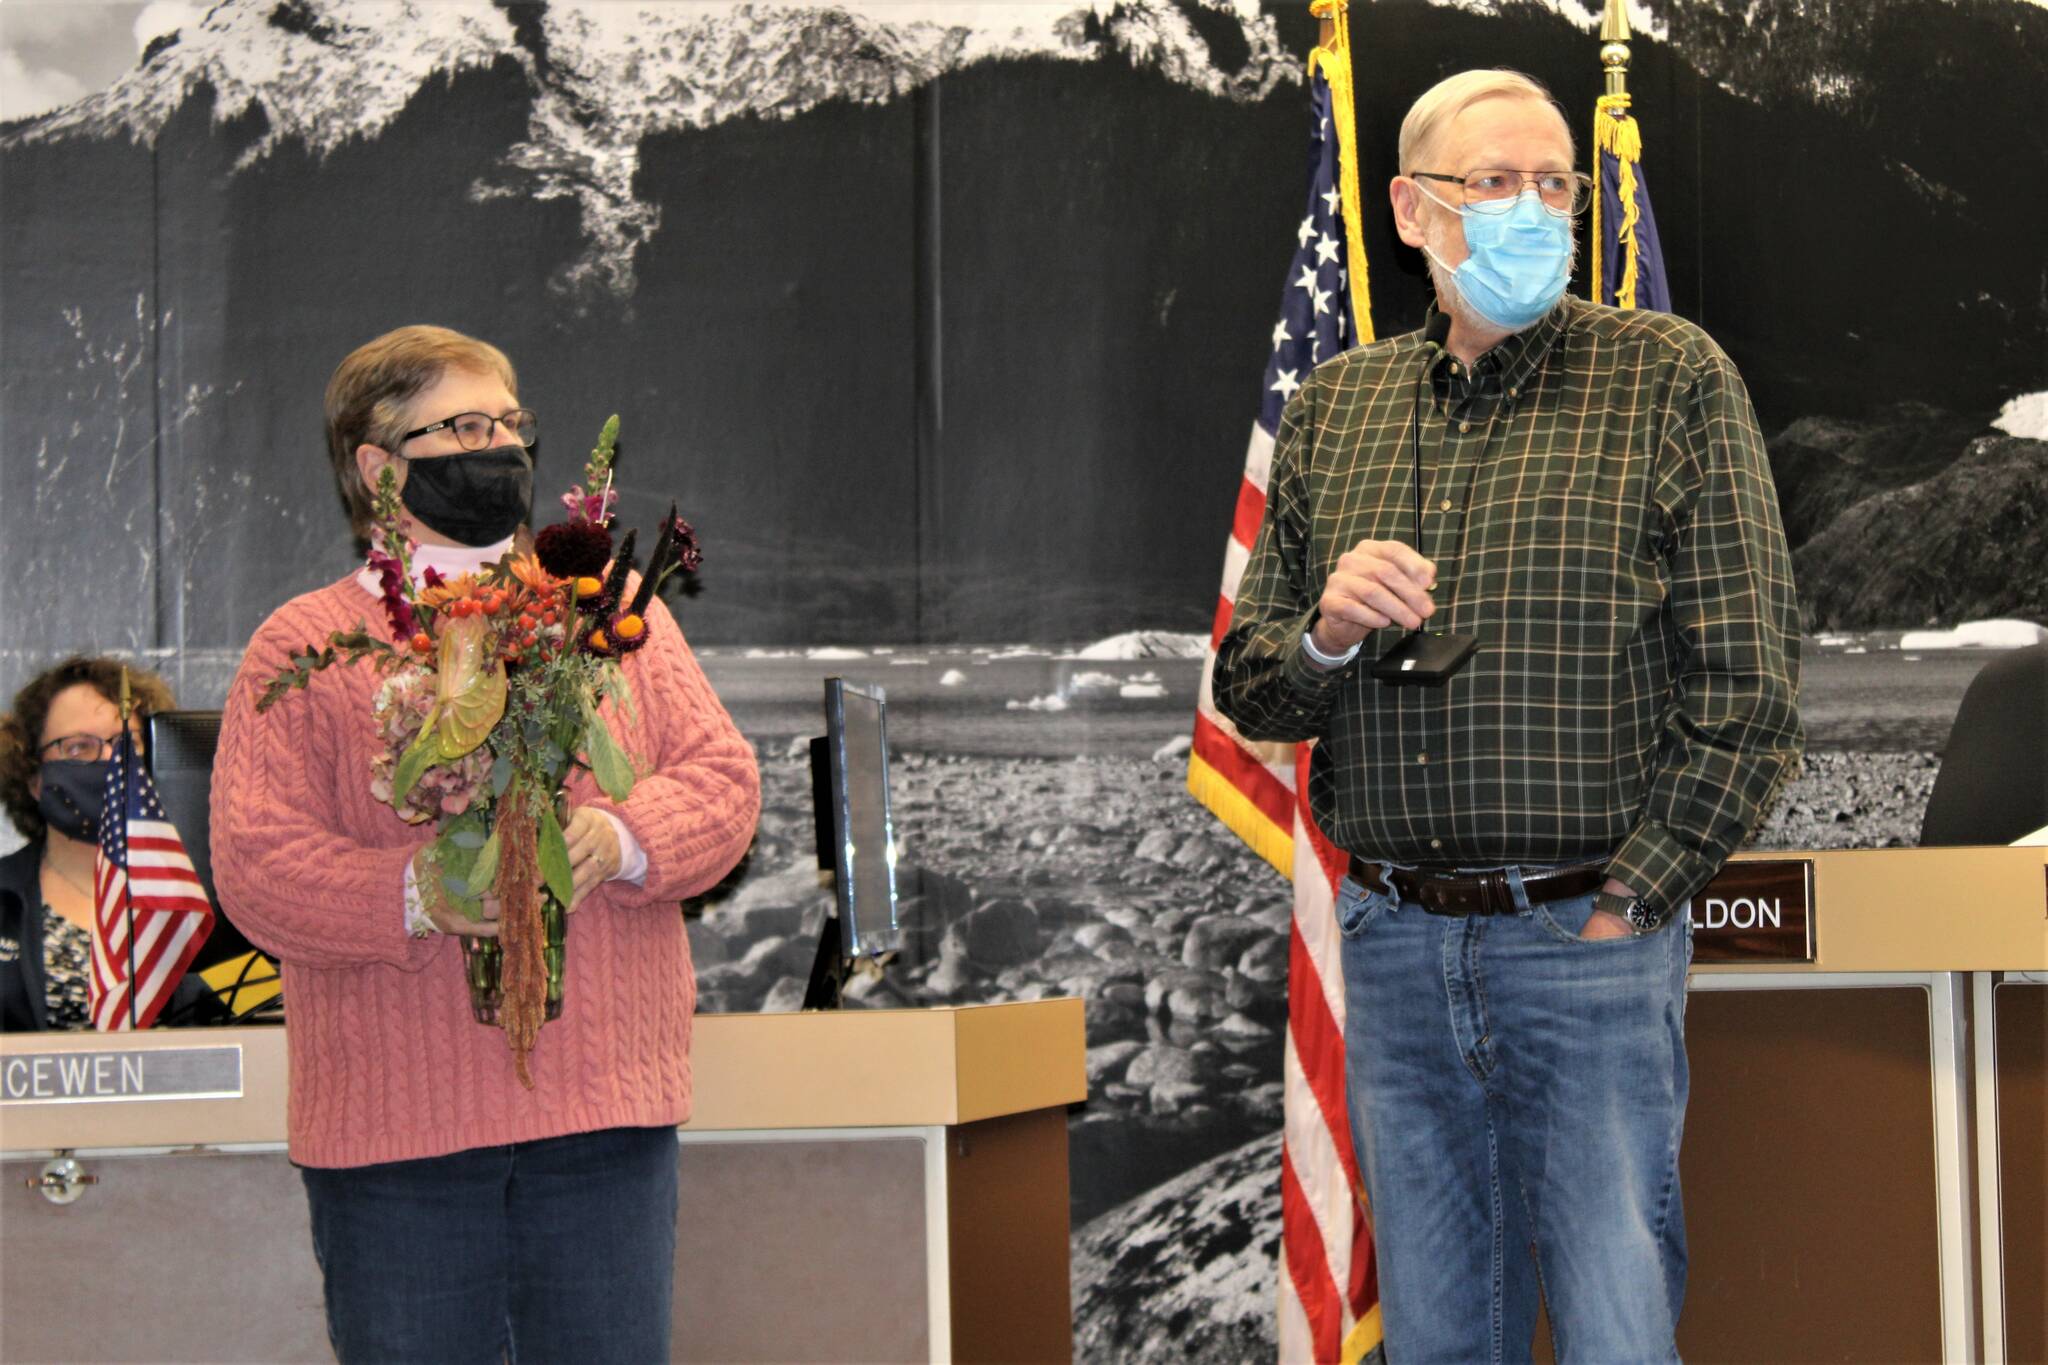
(477, 497)
(73, 796)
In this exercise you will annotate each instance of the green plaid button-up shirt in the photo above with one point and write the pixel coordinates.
(1600, 511)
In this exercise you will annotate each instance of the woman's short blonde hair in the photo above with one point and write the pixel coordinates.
(367, 396)
(1430, 115)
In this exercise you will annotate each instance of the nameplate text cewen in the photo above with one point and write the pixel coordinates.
(172, 1073)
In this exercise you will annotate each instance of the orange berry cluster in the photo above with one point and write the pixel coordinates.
(534, 631)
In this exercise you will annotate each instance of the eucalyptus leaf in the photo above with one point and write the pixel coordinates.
(485, 868)
(621, 690)
(459, 896)
(467, 838)
(501, 777)
(608, 762)
(554, 856)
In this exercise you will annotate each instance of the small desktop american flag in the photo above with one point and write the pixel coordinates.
(151, 915)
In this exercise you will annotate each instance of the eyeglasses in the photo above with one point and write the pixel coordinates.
(79, 748)
(473, 430)
(1562, 192)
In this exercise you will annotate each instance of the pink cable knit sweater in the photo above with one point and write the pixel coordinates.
(386, 1062)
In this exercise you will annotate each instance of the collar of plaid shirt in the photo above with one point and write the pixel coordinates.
(1506, 367)
(1598, 504)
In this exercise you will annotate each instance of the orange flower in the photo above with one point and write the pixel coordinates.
(465, 588)
(597, 640)
(527, 569)
(628, 627)
(589, 587)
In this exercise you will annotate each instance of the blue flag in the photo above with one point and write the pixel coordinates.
(1627, 259)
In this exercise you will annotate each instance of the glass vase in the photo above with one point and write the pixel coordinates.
(483, 963)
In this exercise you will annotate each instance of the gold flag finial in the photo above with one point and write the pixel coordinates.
(1614, 36)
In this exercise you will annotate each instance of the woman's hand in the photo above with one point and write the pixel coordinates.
(594, 853)
(445, 916)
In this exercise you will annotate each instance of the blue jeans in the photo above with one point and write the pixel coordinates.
(557, 1250)
(1513, 1086)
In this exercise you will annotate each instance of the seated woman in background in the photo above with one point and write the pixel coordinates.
(54, 749)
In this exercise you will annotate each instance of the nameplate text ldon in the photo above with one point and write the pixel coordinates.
(1755, 912)
(172, 1073)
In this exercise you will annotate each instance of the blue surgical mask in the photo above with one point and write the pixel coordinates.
(1519, 261)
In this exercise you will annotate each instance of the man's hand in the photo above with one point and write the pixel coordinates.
(1604, 924)
(445, 916)
(1377, 583)
(594, 853)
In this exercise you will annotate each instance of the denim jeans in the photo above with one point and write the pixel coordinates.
(1513, 1086)
(557, 1250)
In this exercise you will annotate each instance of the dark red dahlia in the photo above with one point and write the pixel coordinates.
(573, 549)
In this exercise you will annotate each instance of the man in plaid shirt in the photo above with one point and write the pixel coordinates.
(1597, 511)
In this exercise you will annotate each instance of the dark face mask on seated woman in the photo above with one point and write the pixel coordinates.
(72, 797)
(477, 497)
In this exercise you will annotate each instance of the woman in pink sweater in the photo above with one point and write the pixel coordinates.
(456, 1214)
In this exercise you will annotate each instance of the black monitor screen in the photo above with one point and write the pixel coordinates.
(865, 858)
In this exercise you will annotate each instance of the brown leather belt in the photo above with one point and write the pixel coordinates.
(1443, 891)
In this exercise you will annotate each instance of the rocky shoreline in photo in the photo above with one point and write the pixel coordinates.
(1102, 879)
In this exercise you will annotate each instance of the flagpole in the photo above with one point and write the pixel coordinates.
(1614, 36)
(127, 879)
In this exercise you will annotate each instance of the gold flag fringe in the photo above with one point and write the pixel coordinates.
(1230, 805)
(1616, 134)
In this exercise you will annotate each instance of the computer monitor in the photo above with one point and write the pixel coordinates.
(856, 836)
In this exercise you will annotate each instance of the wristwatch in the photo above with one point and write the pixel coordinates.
(1643, 917)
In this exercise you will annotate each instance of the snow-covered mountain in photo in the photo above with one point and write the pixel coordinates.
(607, 75)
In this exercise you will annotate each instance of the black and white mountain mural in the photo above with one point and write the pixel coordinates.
(943, 322)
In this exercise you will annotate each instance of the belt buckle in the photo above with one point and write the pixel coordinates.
(1433, 895)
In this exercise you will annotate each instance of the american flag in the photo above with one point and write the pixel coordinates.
(1329, 1294)
(151, 915)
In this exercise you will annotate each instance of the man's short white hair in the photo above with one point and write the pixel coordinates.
(1430, 115)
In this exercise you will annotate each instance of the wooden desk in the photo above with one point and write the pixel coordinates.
(1846, 1186)
(875, 1185)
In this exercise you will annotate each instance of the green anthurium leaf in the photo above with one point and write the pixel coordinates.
(554, 856)
(485, 868)
(420, 755)
(608, 762)
(471, 687)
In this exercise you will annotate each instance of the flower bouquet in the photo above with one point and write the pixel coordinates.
(490, 701)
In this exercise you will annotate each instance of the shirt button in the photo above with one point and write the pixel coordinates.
(1464, 426)
(1436, 843)
(1422, 758)
(1445, 506)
